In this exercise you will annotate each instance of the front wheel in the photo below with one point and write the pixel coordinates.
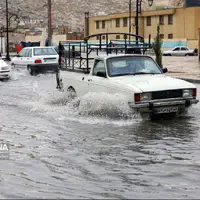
(72, 92)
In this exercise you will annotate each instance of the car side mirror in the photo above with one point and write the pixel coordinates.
(165, 70)
(101, 74)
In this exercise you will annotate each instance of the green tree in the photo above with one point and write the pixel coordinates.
(157, 47)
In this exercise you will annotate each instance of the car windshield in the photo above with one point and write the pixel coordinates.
(44, 51)
(135, 65)
(66, 47)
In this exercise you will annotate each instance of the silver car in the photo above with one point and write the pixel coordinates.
(179, 51)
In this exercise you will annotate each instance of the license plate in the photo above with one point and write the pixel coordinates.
(48, 61)
(166, 110)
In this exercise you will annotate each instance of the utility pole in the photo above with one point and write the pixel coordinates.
(130, 8)
(199, 45)
(86, 24)
(7, 34)
(136, 20)
(49, 22)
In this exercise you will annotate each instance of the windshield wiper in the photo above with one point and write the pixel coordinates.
(125, 74)
(133, 74)
(140, 73)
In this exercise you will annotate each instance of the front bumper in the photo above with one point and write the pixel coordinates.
(151, 105)
(4, 74)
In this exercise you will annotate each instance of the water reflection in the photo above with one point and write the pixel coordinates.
(181, 127)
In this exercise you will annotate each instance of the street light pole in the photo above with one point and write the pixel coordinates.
(138, 10)
(136, 20)
(130, 8)
(2, 28)
(7, 34)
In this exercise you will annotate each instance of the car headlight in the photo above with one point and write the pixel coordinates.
(188, 93)
(145, 97)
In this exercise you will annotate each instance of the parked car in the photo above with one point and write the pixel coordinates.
(4, 70)
(37, 59)
(179, 51)
(68, 51)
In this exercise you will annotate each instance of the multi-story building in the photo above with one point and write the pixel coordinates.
(178, 26)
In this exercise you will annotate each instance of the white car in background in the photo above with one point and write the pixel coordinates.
(4, 70)
(179, 51)
(37, 59)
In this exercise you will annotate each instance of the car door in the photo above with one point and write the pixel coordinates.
(176, 51)
(96, 82)
(18, 59)
(184, 51)
(23, 60)
(29, 56)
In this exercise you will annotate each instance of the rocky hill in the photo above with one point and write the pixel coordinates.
(71, 12)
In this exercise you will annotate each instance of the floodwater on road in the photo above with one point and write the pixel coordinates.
(97, 150)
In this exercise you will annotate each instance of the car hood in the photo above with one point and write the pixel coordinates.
(147, 83)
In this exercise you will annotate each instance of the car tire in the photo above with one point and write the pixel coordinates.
(72, 92)
(12, 64)
(31, 71)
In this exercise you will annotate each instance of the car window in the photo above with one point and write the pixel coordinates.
(22, 52)
(184, 49)
(98, 67)
(66, 47)
(30, 53)
(176, 49)
(44, 51)
(26, 53)
(131, 65)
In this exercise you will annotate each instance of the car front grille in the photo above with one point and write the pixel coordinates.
(167, 94)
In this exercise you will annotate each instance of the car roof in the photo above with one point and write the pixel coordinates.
(105, 57)
(180, 46)
(37, 47)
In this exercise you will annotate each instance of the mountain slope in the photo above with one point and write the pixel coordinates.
(71, 12)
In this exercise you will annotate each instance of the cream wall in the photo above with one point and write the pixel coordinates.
(186, 22)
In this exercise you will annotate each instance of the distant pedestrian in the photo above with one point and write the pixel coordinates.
(110, 45)
(60, 52)
(196, 51)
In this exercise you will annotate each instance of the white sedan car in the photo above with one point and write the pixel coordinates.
(37, 59)
(179, 51)
(4, 70)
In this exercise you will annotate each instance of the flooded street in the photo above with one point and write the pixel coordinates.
(60, 151)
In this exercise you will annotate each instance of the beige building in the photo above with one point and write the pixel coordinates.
(179, 26)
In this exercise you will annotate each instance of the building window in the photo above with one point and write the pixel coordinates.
(118, 22)
(148, 21)
(97, 24)
(170, 19)
(161, 36)
(161, 19)
(103, 24)
(103, 37)
(98, 37)
(117, 37)
(170, 36)
(125, 22)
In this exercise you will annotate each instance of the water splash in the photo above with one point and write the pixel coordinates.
(93, 108)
